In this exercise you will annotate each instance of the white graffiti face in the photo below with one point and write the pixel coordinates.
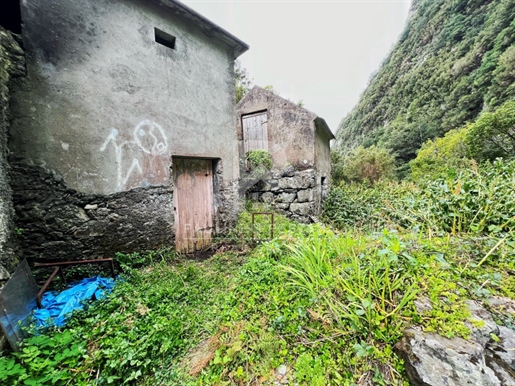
(150, 137)
(148, 140)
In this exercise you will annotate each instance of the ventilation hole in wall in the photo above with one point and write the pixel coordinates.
(10, 17)
(164, 38)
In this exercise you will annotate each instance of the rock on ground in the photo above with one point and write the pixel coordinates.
(486, 359)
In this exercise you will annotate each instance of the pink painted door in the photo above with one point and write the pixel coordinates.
(193, 196)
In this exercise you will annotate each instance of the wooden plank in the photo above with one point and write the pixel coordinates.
(194, 203)
(255, 132)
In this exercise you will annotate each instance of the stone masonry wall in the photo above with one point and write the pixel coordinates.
(56, 222)
(290, 192)
(12, 64)
(226, 201)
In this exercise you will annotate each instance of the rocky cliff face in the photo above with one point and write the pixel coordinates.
(454, 60)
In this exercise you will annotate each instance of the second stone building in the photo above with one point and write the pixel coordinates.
(297, 141)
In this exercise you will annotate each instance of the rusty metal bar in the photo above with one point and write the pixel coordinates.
(112, 268)
(59, 269)
(271, 214)
(78, 262)
(47, 282)
(75, 262)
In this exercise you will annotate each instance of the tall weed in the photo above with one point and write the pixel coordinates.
(361, 284)
(477, 201)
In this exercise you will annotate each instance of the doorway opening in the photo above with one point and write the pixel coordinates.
(194, 203)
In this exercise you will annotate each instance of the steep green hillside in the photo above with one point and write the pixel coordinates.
(455, 59)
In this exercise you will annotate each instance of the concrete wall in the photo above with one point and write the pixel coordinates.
(11, 65)
(102, 110)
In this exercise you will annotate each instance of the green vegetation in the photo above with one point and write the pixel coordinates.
(454, 60)
(259, 160)
(368, 165)
(437, 157)
(473, 201)
(329, 301)
(493, 134)
(242, 81)
(329, 304)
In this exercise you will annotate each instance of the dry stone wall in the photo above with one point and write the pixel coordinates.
(57, 222)
(290, 192)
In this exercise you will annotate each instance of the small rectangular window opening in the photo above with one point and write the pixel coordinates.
(164, 38)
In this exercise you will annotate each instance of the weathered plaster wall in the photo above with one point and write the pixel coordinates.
(105, 106)
(322, 153)
(322, 166)
(97, 119)
(290, 128)
(11, 65)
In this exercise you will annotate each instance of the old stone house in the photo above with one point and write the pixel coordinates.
(121, 132)
(299, 144)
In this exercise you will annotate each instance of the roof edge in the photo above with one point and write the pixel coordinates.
(319, 122)
(210, 28)
(322, 125)
(273, 94)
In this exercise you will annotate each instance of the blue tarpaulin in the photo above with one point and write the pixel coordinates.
(57, 306)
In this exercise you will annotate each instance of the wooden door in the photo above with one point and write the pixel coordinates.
(193, 197)
(255, 132)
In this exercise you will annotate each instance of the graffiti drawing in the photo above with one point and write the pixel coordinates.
(141, 157)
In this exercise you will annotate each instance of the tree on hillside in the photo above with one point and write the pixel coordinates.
(242, 81)
(441, 155)
(493, 134)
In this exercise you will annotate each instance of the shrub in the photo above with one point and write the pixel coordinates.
(337, 169)
(259, 160)
(369, 165)
(493, 134)
(438, 156)
(475, 200)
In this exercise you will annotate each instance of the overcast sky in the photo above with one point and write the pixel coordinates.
(321, 52)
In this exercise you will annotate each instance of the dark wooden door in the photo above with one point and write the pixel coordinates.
(193, 198)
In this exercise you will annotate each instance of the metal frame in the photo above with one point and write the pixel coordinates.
(59, 265)
(271, 214)
(17, 301)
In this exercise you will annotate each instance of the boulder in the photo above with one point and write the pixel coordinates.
(487, 358)
(432, 360)
(481, 324)
(286, 197)
(268, 197)
(502, 349)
